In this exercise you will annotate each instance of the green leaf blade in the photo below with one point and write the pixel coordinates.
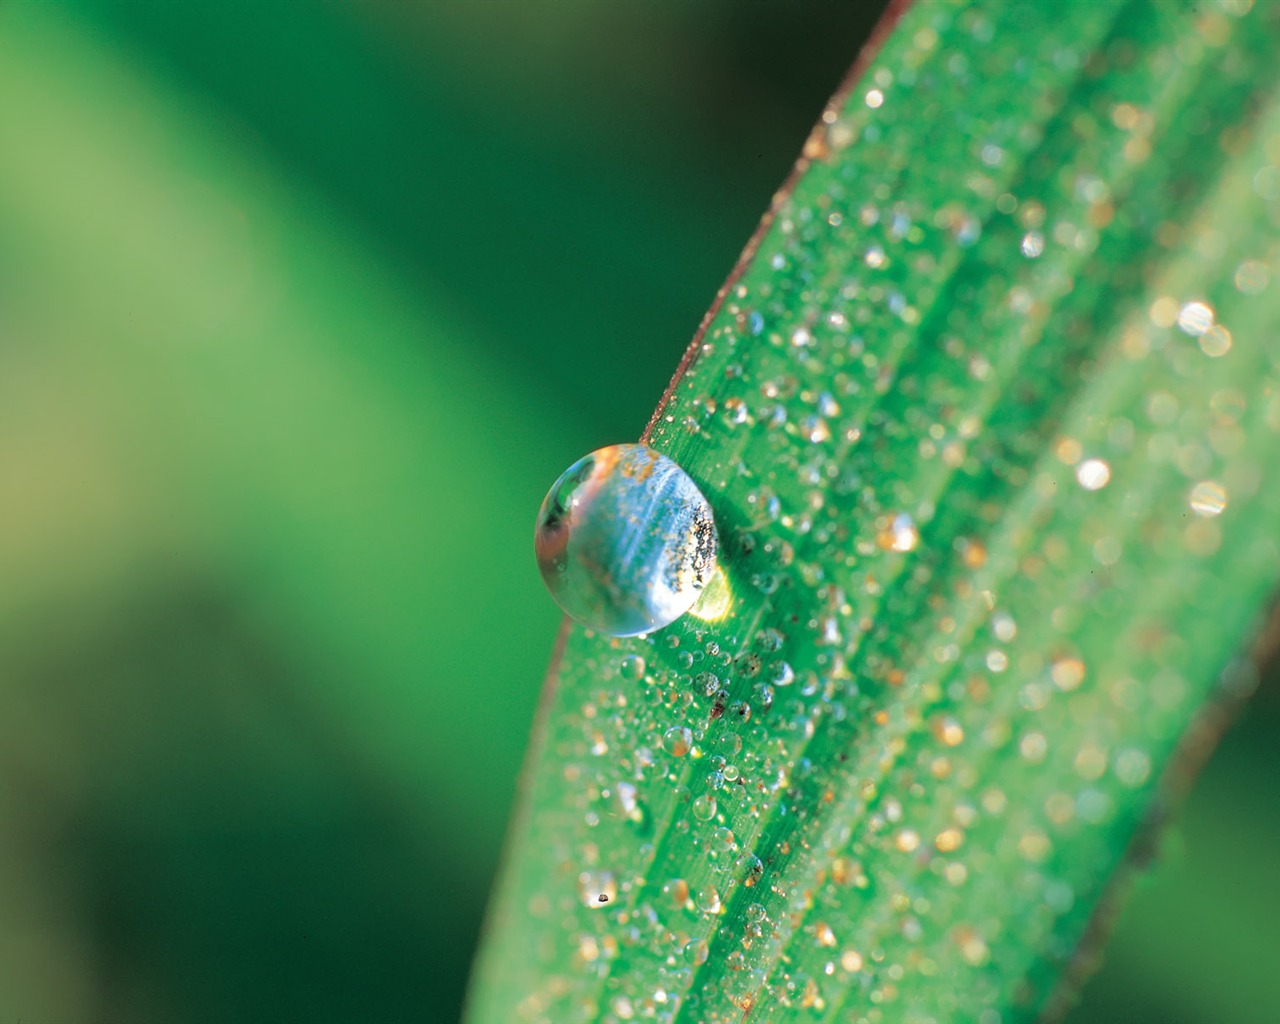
(988, 421)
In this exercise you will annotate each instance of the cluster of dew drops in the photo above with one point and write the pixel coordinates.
(716, 806)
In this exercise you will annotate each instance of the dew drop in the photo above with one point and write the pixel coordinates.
(901, 535)
(625, 540)
(1208, 499)
(597, 889)
(708, 900)
(632, 668)
(677, 891)
(729, 744)
(1093, 474)
(677, 740)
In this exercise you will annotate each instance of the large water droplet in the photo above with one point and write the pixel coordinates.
(625, 540)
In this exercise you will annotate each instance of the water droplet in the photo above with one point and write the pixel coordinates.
(632, 668)
(704, 807)
(769, 639)
(597, 889)
(709, 900)
(677, 891)
(729, 744)
(696, 952)
(1208, 499)
(625, 540)
(1093, 474)
(972, 946)
(902, 535)
(1195, 318)
(1133, 767)
(678, 739)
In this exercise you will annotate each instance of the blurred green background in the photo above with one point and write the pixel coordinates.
(302, 307)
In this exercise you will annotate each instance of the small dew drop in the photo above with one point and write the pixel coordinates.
(901, 535)
(1033, 747)
(1208, 499)
(1093, 474)
(949, 731)
(1034, 845)
(1094, 806)
(728, 744)
(1215, 342)
(708, 900)
(971, 945)
(1004, 627)
(632, 668)
(1133, 767)
(1163, 311)
(1090, 762)
(597, 888)
(815, 429)
(1195, 318)
(782, 674)
(1251, 277)
(677, 891)
(1067, 673)
(677, 740)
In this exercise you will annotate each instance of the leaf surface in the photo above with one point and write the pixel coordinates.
(988, 417)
